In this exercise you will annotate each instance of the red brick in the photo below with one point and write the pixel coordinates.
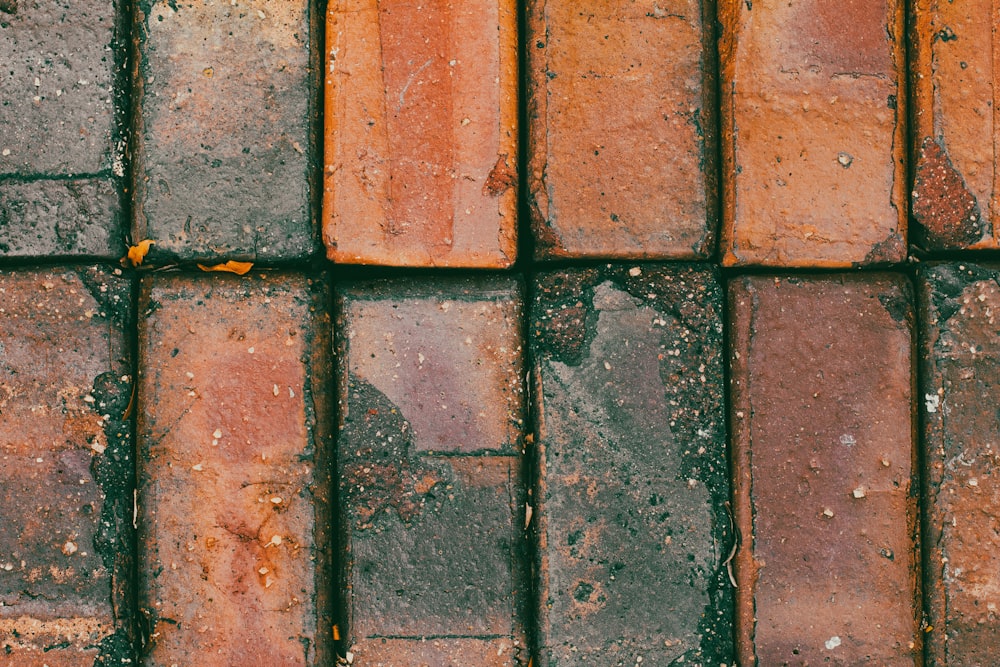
(633, 482)
(57, 115)
(960, 380)
(823, 437)
(421, 133)
(224, 102)
(622, 117)
(233, 504)
(65, 467)
(955, 83)
(432, 406)
(813, 124)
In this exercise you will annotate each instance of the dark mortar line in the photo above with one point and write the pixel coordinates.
(135, 631)
(57, 262)
(317, 62)
(443, 636)
(525, 237)
(713, 32)
(530, 475)
(104, 174)
(476, 454)
(340, 523)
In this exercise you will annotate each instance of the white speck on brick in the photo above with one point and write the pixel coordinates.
(931, 402)
(832, 643)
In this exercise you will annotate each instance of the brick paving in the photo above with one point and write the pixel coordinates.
(441, 416)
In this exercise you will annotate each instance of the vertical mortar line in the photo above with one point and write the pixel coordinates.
(712, 69)
(525, 238)
(317, 102)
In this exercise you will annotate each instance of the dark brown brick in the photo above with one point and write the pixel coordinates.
(432, 407)
(233, 503)
(56, 218)
(421, 133)
(813, 121)
(960, 387)
(954, 78)
(823, 437)
(633, 483)
(65, 467)
(622, 117)
(58, 67)
(224, 153)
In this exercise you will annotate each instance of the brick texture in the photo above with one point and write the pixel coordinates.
(823, 438)
(812, 133)
(954, 76)
(57, 112)
(65, 467)
(233, 503)
(421, 133)
(223, 154)
(622, 121)
(432, 407)
(632, 525)
(961, 363)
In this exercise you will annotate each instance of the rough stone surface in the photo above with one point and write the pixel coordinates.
(224, 108)
(954, 89)
(56, 218)
(622, 120)
(633, 484)
(65, 467)
(431, 410)
(234, 489)
(421, 133)
(812, 133)
(958, 398)
(823, 438)
(56, 96)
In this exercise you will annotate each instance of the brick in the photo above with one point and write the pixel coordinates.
(421, 133)
(813, 124)
(57, 218)
(224, 155)
(234, 489)
(961, 366)
(432, 407)
(633, 484)
(622, 141)
(65, 467)
(954, 81)
(57, 115)
(823, 447)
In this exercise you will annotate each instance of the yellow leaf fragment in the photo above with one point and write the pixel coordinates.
(137, 252)
(239, 268)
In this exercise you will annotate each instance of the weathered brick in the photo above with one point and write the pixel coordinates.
(823, 437)
(432, 407)
(57, 112)
(223, 162)
(57, 218)
(622, 129)
(961, 368)
(633, 482)
(65, 467)
(954, 79)
(421, 133)
(813, 124)
(234, 489)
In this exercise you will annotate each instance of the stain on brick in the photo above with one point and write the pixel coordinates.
(948, 214)
(633, 479)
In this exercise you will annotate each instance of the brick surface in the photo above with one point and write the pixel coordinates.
(56, 218)
(632, 525)
(224, 154)
(421, 133)
(954, 79)
(622, 122)
(233, 504)
(65, 467)
(57, 113)
(823, 428)
(961, 364)
(812, 133)
(432, 407)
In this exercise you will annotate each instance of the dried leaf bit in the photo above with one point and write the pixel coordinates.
(137, 252)
(239, 268)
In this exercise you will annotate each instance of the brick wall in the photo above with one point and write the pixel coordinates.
(537, 333)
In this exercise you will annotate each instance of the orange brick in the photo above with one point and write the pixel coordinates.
(813, 127)
(233, 503)
(823, 440)
(421, 133)
(65, 467)
(955, 78)
(622, 129)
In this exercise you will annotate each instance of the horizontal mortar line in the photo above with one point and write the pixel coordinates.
(31, 178)
(479, 453)
(432, 637)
